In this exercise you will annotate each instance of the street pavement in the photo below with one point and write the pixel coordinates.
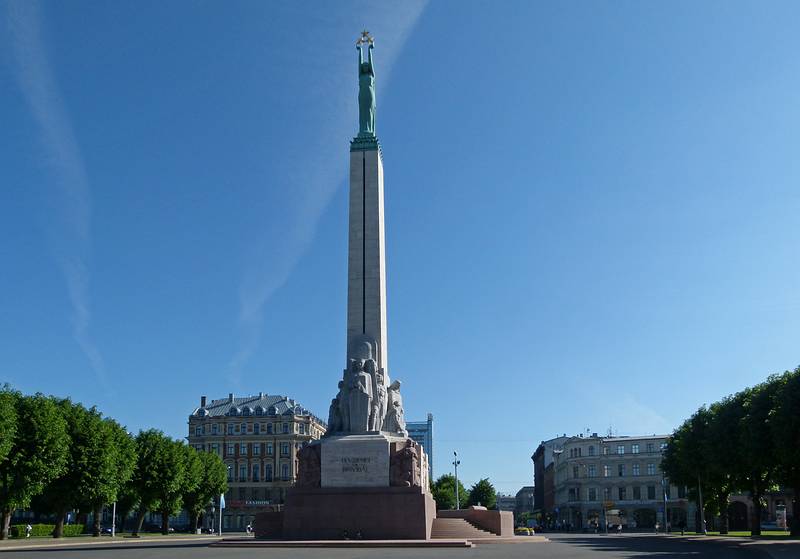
(560, 546)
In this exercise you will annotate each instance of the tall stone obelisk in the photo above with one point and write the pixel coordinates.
(366, 275)
(365, 477)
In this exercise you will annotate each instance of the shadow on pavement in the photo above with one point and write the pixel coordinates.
(635, 547)
(100, 547)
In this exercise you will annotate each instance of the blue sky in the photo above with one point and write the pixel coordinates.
(591, 208)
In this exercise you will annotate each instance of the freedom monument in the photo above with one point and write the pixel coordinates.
(365, 478)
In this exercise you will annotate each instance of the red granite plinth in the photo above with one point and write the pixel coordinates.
(370, 513)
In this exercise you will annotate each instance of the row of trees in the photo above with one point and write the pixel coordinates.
(747, 442)
(481, 493)
(57, 456)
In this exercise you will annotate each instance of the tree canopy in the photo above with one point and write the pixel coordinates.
(444, 493)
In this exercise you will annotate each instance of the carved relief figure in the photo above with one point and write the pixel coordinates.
(379, 400)
(359, 396)
(309, 473)
(395, 416)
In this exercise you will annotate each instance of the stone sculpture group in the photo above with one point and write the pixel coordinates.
(366, 402)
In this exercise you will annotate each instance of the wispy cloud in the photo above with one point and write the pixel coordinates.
(69, 215)
(317, 172)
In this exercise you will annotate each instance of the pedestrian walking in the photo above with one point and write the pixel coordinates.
(28, 530)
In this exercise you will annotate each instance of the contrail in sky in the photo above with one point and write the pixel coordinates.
(68, 195)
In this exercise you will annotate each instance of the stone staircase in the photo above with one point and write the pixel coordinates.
(457, 529)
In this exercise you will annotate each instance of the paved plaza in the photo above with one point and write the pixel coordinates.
(560, 546)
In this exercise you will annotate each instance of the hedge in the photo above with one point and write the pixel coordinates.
(39, 530)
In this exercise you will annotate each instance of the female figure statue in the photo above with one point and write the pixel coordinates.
(366, 92)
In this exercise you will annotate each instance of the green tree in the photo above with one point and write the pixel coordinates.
(444, 493)
(127, 501)
(482, 493)
(722, 447)
(8, 421)
(159, 476)
(38, 453)
(785, 428)
(757, 464)
(66, 491)
(111, 467)
(207, 477)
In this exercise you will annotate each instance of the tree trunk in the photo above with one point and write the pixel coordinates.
(164, 522)
(122, 514)
(195, 521)
(96, 525)
(755, 521)
(139, 521)
(5, 521)
(58, 531)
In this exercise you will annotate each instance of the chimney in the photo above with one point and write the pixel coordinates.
(230, 396)
(202, 401)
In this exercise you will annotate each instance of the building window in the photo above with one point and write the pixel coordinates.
(285, 427)
(605, 450)
(635, 469)
(229, 450)
(621, 470)
(269, 428)
(302, 429)
(243, 428)
(651, 492)
(591, 451)
(634, 449)
(606, 493)
(256, 471)
(623, 493)
(620, 449)
(592, 494)
(592, 470)
(256, 428)
(651, 469)
(572, 492)
(242, 472)
(230, 428)
(285, 472)
(256, 449)
(637, 493)
(270, 450)
(606, 470)
(268, 472)
(242, 449)
(214, 429)
(230, 473)
(574, 471)
(650, 447)
(215, 448)
(663, 447)
(285, 449)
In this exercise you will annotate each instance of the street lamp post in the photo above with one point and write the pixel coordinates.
(456, 462)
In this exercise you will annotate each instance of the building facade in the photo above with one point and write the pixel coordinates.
(422, 433)
(258, 438)
(543, 483)
(611, 480)
(506, 502)
(524, 500)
